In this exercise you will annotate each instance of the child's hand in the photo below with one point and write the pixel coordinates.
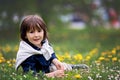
(58, 64)
(57, 73)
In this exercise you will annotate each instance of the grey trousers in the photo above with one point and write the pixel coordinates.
(67, 67)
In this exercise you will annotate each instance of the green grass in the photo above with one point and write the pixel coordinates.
(73, 42)
(84, 40)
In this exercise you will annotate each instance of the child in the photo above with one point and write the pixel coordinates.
(35, 53)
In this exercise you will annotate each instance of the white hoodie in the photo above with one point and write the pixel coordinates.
(25, 51)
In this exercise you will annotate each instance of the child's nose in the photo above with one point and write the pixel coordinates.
(36, 33)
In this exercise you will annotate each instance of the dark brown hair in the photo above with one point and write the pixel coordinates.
(32, 22)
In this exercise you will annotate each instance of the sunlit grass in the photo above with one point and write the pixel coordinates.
(106, 66)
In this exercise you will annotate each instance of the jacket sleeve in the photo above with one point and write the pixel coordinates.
(53, 57)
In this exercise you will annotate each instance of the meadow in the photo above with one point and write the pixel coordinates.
(99, 48)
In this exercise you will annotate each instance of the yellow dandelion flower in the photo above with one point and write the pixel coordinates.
(60, 57)
(87, 58)
(7, 48)
(109, 56)
(16, 48)
(73, 62)
(3, 59)
(78, 57)
(97, 62)
(77, 76)
(14, 60)
(9, 65)
(8, 62)
(101, 58)
(0, 61)
(67, 55)
(107, 59)
(114, 51)
(94, 51)
(103, 53)
(114, 59)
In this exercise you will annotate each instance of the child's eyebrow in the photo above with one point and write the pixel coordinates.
(35, 28)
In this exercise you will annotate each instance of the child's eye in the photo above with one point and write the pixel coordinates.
(39, 30)
(31, 31)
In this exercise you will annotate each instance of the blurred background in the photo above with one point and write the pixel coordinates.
(80, 31)
(87, 23)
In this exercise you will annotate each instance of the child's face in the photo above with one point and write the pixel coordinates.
(35, 36)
